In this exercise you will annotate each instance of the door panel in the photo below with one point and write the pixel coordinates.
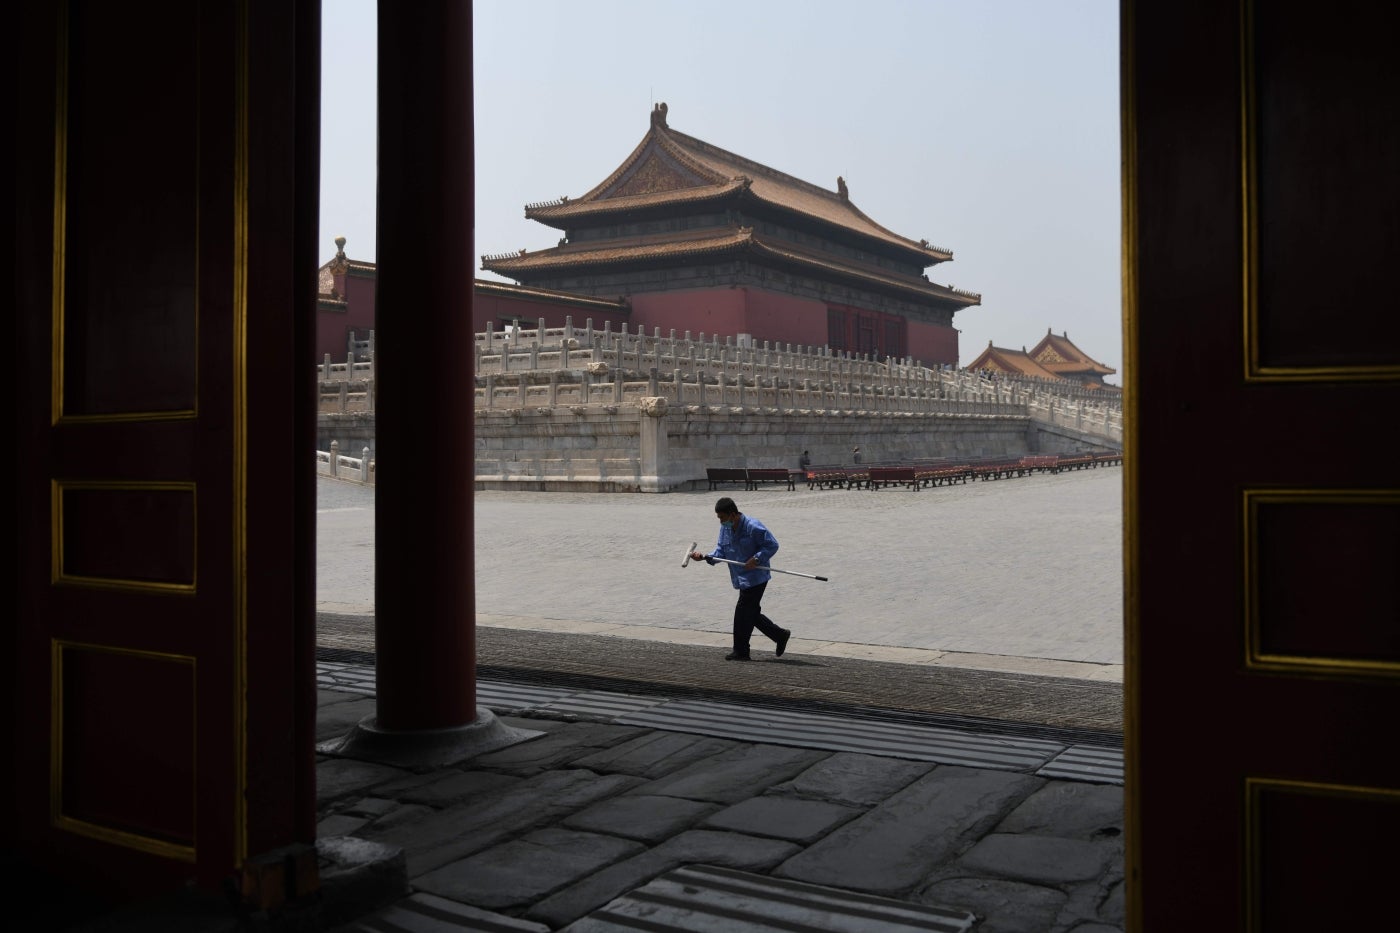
(1262, 608)
(161, 654)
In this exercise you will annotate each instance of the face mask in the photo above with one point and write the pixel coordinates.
(728, 524)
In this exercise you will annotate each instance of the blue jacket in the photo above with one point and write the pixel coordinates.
(749, 538)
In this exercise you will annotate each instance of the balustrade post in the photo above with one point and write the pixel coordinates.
(490, 391)
(335, 458)
(326, 369)
(364, 465)
(568, 327)
(617, 386)
(535, 356)
(539, 331)
(344, 396)
(651, 382)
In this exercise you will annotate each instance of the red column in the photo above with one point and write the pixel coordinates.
(425, 611)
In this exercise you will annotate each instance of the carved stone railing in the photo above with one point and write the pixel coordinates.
(572, 366)
(352, 469)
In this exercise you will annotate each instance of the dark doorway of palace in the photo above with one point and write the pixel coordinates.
(867, 333)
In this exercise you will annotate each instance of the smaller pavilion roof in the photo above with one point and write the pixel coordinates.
(1017, 362)
(1059, 355)
(1053, 358)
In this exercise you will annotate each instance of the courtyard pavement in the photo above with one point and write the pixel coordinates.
(1021, 574)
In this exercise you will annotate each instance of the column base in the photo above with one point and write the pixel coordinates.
(425, 748)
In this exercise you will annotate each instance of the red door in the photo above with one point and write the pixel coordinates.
(164, 637)
(1263, 648)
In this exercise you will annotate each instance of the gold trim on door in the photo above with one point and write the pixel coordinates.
(60, 532)
(1257, 657)
(1254, 849)
(60, 820)
(1255, 369)
(58, 413)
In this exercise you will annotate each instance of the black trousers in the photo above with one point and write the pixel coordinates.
(748, 615)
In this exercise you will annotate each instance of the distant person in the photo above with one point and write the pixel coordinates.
(746, 540)
(855, 455)
(804, 461)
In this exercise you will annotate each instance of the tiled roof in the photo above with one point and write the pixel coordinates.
(1003, 360)
(708, 244)
(507, 290)
(1060, 355)
(671, 168)
(338, 265)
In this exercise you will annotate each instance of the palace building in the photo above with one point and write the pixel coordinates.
(695, 238)
(1055, 358)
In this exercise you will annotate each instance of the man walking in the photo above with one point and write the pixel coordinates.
(746, 540)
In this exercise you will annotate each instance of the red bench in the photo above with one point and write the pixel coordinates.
(719, 475)
(881, 476)
(757, 477)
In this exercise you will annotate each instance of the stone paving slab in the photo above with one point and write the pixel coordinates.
(703, 897)
(730, 850)
(474, 825)
(1044, 860)
(519, 872)
(556, 748)
(428, 913)
(448, 787)
(655, 754)
(642, 817)
(895, 846)
(1071, 810)
(1003, 906)
(854, 779)
(800, 821)
(734, 775)
(337, 717)
(341, 777)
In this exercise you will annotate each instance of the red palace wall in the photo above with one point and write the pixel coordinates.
(333, 327)
(731, 311)
(771, 316)
(933, 344)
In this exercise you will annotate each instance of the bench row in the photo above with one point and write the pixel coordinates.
(921, 474)
(916, 474)
(751, 478)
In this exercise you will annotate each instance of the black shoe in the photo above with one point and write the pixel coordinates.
(737, 657)
(782, 643)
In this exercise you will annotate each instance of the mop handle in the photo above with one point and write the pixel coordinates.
(739, 563)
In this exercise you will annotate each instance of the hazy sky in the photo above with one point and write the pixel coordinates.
(988, 127)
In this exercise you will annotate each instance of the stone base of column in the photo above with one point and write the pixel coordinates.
(425, 748)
